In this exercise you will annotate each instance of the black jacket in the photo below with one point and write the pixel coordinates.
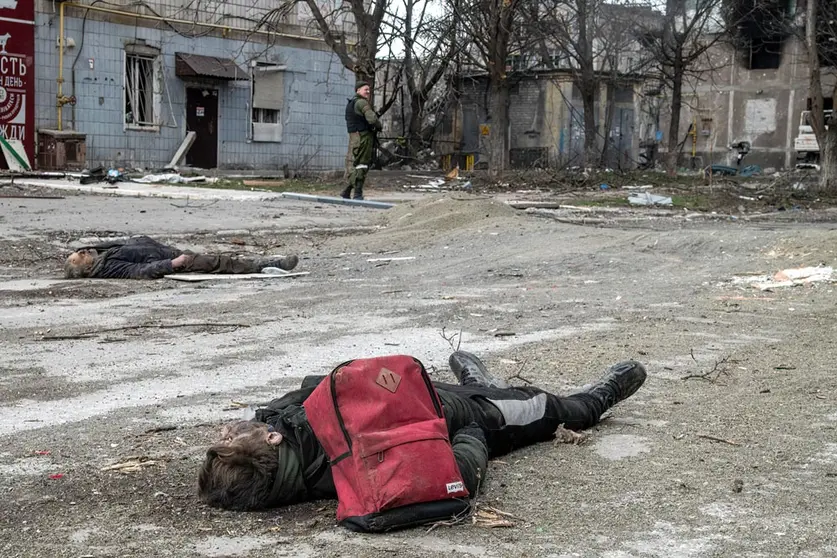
(287, 416)
(136, 258)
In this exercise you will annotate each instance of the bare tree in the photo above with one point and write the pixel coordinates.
(598, 46)
(429, 45)
(490, 27)
(820, 28)
(367, 16)
(679, 47)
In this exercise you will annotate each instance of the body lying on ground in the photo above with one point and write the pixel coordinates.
(142, 257)
(276, 460)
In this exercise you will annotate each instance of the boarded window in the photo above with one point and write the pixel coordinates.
(268, 103)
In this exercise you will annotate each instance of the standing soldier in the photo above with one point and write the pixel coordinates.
(362, 124)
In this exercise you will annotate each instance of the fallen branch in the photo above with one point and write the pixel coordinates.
(450, 339)
(716, 439)
(518, 374)
(711, 376)
(88, 334)
(160, 429)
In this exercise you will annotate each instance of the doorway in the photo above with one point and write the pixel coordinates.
(202, 118)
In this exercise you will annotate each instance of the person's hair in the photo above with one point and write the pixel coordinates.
(238, 475)
(77, 271)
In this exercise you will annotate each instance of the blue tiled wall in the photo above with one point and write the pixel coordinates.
(316, 89)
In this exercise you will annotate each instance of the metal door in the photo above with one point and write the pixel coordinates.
(202, 118)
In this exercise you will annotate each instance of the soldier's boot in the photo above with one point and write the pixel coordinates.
(470, 370)
(347, 192)
(618, 383)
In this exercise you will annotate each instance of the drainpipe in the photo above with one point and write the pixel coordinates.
(60, 96)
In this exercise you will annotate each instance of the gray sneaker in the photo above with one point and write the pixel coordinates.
(470, 370)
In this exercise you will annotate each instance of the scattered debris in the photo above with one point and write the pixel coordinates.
(491, 517)
(399, 259)
(788, 278)
(182, 149)
(56, 476)
(160, 429)
(712, 375)
(170, 178)
(716, 439)
(42, 452)
(564, 436)
(132, 464)
(646, 198)
(737, 486)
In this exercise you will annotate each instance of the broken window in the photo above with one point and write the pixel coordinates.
(268, 102)
(765, 54)
(139, 89)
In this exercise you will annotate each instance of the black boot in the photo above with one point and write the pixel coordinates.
(346, 193)
(286, 262)
(618, 383)
(470, 370)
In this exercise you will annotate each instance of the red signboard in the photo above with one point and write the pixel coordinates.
(17, 73)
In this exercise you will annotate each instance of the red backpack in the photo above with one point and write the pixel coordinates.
(381, 424)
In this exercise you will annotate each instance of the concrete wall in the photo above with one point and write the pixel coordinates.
(758, 106)
(547, 122)
(316, 89)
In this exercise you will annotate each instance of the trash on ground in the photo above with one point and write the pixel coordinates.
(169, 178)
(56, 476)
(646, 198)
(42, 452)
(788, 278)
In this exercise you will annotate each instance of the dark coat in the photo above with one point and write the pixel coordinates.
(136, 258)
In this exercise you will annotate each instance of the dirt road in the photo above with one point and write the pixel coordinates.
(730, 448)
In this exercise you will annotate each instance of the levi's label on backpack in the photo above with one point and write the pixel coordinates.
(381, 424)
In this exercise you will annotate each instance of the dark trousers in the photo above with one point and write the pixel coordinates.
(204, 263)
(517, 417)
(511, 418)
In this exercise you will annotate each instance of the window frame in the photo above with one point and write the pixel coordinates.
(155, 60)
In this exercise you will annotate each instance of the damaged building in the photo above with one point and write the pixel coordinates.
(754, 92)
(122, 83)
(546, 108)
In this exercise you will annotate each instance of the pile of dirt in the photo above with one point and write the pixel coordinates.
(445, 213)
(433, 218)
